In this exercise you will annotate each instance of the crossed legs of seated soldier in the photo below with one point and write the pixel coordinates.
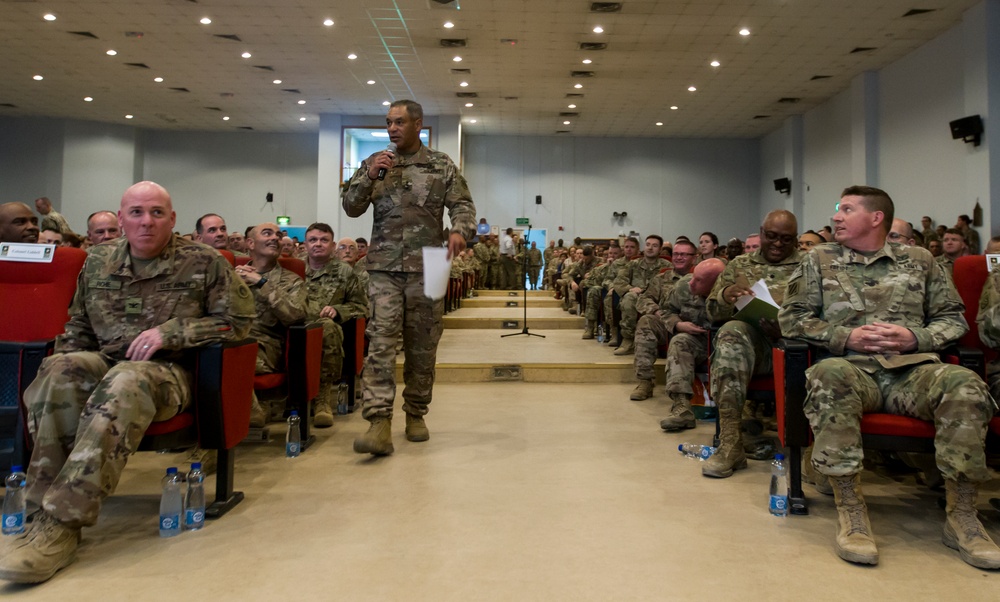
(684, 353)
(592, 310)
(952, 397)
(86, 415)
(627, 325)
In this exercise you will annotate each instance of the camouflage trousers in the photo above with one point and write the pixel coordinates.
(508, 273)
(838, 392)
(481, 276)
(739, 353)
(333, 360)
(593, 303)
(399, 306)
(269, 354)
(86, 415)
(609, 309)
(630, 315)
(685, 352)
(493, 275)
(533, 275)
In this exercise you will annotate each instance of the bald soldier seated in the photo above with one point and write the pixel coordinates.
(280, 299)
(140, 303)
(18, 223)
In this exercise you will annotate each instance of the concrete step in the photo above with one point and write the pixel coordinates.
(544, 318)
(517, 293)
(483, 302)
(536, 373)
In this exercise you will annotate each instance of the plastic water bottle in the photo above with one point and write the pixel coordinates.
(171, 504)
(342, 405)
(693, 450)
(293, 442)
(600, 333)
(778, 504)
(194, 503)
(14, 502)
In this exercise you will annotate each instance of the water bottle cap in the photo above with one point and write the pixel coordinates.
(294, 413)
(779, 456)
(17, 468)
(680, 447)
(196, 466)
(172, 470)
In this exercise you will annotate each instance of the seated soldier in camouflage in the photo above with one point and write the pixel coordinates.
(593, 289)
(280, 299)
(631, 282)
(576, 274)
(684, 322)
(141, 302)
(654, 302)
(880, 311)
(333, 296)
(630, 252)
(988, 321)
(742, 350)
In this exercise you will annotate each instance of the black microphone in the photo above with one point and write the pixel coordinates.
(392, 149)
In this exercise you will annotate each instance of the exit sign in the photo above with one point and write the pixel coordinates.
(522, 221)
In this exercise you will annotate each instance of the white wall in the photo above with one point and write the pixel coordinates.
(772, 167)
(98, 165)
(667, 187)
(826, 161)
(31, 156)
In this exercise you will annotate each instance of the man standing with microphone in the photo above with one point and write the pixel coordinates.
(416, 185)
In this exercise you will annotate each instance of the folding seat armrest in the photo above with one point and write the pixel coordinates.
(967, 357)
(223, 392)
(791, 358)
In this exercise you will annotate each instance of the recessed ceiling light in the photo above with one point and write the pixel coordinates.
(246, 55)
(277, 81)
(744, 32)
(598, 29)
(352, 56)
(468, 104)
(205, 21)
(302, 102)
(692, 89)
(157, 79)
(112, 52)
(587, 61)
(386, 103)
(37, 78)
(302, 118)
(49, 17)
(88, 99)
(226, 118)
(371, 82)
(472, 121)
(128, 117)
(566, 122)
(328, 22)
(464, 84)
(457, 59)
(571, 107)
(578, 86)
(673, 108)
(659, 123)
(448, 24)
(715, 63)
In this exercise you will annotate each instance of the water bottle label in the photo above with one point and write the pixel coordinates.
(779, 503)
(292, 449)
(706, 452)
(170, 522)
(195, 517)
(13, 521)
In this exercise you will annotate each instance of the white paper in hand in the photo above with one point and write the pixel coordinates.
(437, 271)
(760, 291)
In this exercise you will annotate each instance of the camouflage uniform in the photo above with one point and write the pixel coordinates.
(493, 267)
(409, 207)
(280, 303)
(608, 286)
(946, 263)
(55, 221)
(835, 290)
(534, 266)
(592, 285)
(576, 274)
(988, 320)
(636, 273)
(685, 352)
(89, 406)
(482, 253)
(334, 285)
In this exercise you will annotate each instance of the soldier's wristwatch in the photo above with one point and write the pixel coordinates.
(260, 283)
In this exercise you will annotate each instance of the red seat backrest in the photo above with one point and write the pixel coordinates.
(970, 275)
(230, 257)
(35, 297)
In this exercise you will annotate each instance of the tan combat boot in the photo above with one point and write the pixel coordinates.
(681, 417)
(322, 414)
(627, 348)
(258, 414)
(855, 542)
(591, 327)
(962, 529)
(730, 456)
(416, 428)
(43, 548)
(643, 390)
(378, 439)
(575, 310)
(820, 481)
(614, 335)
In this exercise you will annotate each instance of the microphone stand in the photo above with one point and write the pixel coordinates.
(524, 287)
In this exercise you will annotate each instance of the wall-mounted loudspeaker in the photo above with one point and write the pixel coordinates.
(969, 129)
(783, 185)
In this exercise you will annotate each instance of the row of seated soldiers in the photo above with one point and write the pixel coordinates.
(876, 313)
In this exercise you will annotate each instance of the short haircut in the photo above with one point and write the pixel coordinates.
(413, 108)
(361, 241)
(197, 225)
(956, 232)
(633, 239)
(965, 218)
(657, 237)
(321, 227)
(874, 199)
(91, 216)
(588, 251)
(52, 230)
(687, 243)
(715, 239)
(246, 233)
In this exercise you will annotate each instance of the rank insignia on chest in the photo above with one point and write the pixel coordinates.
(133, 306)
